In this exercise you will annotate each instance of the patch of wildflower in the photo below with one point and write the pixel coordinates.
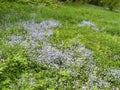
(85, 23)
(77, 55)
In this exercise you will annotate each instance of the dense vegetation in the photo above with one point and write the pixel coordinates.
(49, 45)
(109, 3)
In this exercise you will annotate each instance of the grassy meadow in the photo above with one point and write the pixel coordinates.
(59, 47)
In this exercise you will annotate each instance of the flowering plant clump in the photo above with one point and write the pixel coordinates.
(85, 23)
(57, 65)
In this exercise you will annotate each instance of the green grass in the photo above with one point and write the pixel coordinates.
(104, 44)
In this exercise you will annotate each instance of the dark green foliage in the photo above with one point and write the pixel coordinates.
(10, 0)
(111, 4)
(95, 2)
(30, 1)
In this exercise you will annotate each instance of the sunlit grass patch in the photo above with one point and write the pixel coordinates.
(104, 45)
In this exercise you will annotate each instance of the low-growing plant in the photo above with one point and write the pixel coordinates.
(14, 64)
(85, 66)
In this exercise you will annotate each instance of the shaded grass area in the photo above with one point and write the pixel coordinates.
(16, 63)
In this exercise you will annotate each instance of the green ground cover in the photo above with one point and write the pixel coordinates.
(85, 32)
